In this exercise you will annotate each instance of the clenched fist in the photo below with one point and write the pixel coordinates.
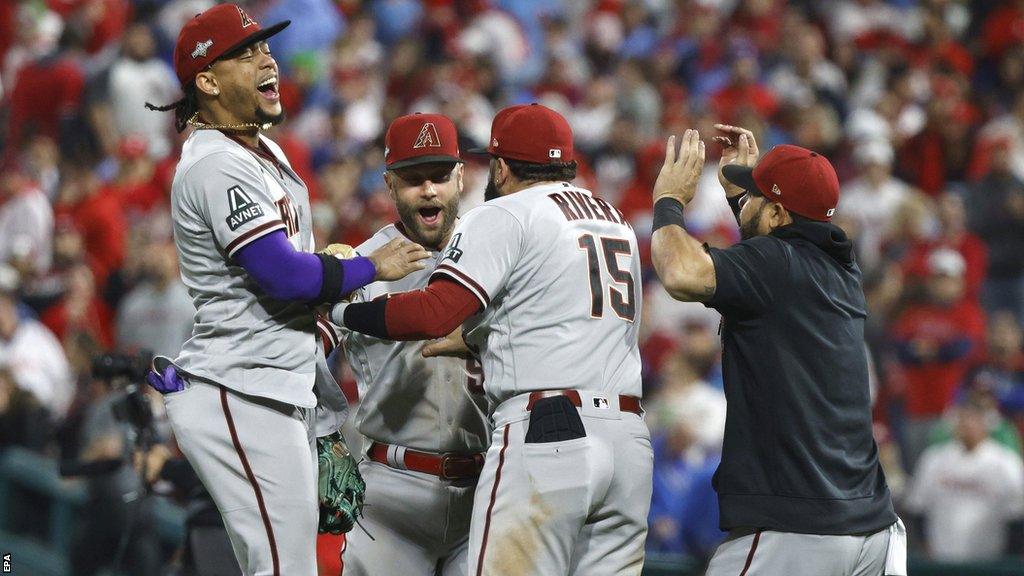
(397, 259)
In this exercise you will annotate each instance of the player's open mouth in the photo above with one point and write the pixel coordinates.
(430, 215)
(268, 88)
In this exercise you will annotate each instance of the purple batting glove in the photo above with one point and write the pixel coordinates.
(168, 382)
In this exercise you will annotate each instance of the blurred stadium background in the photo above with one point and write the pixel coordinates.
(919, 104)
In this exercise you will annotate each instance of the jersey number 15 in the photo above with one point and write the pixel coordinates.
(623, 302)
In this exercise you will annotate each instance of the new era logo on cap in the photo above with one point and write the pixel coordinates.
(775, 190)
(201, 48)
(427, 137)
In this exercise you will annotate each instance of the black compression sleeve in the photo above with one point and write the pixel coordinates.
(368, 318)
(668, 211)
(334, 276)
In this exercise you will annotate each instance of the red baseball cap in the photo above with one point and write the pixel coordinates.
(530, 133)
(804, 182)
(214, 33)
(420, 138)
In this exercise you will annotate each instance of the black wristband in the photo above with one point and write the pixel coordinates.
(734, 204)
(368, 318)
(334, 276)
(668, 211)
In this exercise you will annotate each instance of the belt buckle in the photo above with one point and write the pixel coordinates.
(447, 459)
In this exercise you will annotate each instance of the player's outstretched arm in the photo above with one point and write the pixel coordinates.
(397, 259)
(288, 274)
(684, 267)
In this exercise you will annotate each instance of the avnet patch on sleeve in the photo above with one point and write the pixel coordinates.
(242, 208)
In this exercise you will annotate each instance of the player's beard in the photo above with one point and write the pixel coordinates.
(748, 229)
(491, 192)
(429, 238)
(272, 119)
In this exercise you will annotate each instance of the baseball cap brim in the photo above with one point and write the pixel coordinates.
(256, 37)
(742, 176)
(423, 160)
(477, 152)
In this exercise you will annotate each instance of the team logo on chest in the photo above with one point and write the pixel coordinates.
(427, 137)
(243, 209)
(289, 216)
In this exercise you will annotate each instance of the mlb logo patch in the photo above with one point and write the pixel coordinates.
(554, 153)
(600, 402)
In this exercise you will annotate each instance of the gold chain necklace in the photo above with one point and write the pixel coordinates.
(195, 123)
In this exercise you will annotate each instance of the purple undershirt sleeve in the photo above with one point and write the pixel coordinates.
(287, 274)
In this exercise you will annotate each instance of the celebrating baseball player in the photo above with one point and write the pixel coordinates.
(424, 418)
(547, 276)
(241, 395)
(799, 487)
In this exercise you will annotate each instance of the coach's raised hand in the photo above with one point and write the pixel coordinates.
(397, 259)
(738, 147)
(681, 171)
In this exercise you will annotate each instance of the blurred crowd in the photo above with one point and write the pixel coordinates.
(918, 104)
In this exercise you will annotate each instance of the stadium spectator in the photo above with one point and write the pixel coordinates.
(157, 314)
(135, 78)
(968, 490)
(995, 212)
(26, 225)
(936, 340)
(871, 201)
(31, 353)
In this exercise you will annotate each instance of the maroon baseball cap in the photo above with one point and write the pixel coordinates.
(214, 33)
(530, 133)
(802, 181)
(420, 138)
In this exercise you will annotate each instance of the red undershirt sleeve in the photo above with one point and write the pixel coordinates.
(430, 313)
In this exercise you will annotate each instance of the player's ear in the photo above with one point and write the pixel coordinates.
(206, 82)
(390, 185)
(503, 171)
(459, 168)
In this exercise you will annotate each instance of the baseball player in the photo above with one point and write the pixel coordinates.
(800, 489)
(547, 276)
(240, 396)
(424, 420)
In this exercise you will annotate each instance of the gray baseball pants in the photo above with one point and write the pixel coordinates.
(257, 458)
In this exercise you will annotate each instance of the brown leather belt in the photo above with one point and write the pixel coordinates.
(626, 403)
(444, 466)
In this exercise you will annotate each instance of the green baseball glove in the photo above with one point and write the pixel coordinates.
(340, 485)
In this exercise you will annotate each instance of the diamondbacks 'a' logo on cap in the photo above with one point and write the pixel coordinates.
(201, 49)
(427, 137)
(246, 21)
(775, 190)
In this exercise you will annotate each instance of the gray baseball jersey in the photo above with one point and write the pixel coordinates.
(558, 273)
(434, 405)
(225, 196)
(428, 404)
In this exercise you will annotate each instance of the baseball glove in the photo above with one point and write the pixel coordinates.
(342, 251)
(340, 486)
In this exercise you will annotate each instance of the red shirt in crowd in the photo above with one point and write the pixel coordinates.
(936, 347)
(100, 219)
(96, 321)
(44, 92)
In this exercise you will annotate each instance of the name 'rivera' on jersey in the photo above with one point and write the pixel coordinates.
(576, 205)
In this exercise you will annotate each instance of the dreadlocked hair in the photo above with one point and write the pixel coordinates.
(184, 109)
